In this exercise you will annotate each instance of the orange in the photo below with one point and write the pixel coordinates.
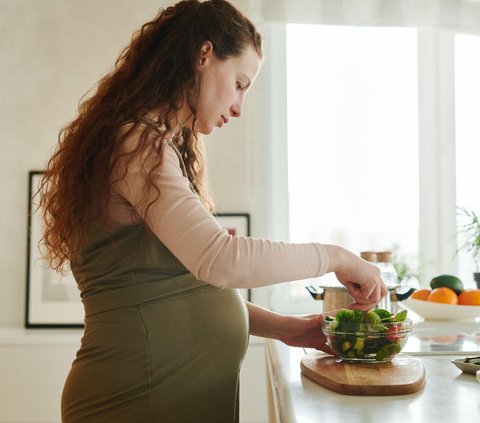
(444, 339)
(469, 297)
(443, 295)
(421, 294)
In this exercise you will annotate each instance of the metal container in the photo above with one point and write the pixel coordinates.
(335, 297)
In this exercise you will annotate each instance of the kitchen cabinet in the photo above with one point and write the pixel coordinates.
(33, 367)
(447, 396)
(35, 362)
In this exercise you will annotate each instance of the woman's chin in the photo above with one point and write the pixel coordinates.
(206, 130)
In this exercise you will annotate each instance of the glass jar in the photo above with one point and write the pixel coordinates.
(388, 272)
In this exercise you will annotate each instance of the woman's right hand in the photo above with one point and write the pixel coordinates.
(362, 279)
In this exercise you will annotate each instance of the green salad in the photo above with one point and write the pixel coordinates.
(375, 335)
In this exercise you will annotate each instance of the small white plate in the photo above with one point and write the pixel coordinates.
(430, 310)
(466, 367)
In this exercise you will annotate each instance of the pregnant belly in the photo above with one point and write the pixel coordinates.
(161, 355)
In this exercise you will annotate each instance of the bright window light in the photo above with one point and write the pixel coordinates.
(467, 136)
(353, 137)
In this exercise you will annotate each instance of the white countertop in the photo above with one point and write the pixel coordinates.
(448, 396)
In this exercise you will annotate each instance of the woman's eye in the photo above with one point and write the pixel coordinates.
(239, 86)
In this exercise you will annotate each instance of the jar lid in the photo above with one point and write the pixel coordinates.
(384, 256)
(370, 256)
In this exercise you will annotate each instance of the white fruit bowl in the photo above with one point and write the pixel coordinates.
(430, 310)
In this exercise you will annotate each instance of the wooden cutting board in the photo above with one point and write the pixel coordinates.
(403, 375)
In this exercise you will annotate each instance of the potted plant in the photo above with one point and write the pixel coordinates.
(470, 230)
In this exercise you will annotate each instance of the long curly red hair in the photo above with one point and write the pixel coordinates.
(157, 71)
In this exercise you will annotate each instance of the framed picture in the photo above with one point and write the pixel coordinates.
(52, 300)
(237, 224)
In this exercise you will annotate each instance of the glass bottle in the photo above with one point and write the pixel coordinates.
(388, 272)
(370, 256)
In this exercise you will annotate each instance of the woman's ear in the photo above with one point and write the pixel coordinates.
(206, 53)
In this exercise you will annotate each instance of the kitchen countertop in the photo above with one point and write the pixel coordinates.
(449, 395)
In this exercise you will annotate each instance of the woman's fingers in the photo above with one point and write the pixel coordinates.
(362, 307)
(367, 296)
(367, 293)
(362, 279)
(326, 349)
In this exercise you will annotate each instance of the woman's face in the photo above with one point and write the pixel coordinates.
(223, 86)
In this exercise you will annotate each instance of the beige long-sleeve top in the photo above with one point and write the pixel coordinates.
(193, 235)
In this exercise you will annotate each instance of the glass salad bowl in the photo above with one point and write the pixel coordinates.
(377, 336)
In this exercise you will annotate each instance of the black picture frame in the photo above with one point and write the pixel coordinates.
(237, 224)
(52, 300)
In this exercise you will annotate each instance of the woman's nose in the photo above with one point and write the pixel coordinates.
(236, 109)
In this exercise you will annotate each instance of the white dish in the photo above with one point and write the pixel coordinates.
(430, 310)
(466, 367)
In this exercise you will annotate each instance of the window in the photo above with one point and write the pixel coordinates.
(352, 138)
(382, 143)
(467, 134)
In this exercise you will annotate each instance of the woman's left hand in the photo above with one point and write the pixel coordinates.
(296, 331)
(305, 331)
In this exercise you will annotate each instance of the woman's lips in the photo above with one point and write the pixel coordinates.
(223, 120)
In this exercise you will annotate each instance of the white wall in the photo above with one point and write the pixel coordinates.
(51, 53)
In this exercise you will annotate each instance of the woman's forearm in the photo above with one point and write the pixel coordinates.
(263, 322)
(296, 331)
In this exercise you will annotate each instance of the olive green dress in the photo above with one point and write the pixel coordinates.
(159, 345)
